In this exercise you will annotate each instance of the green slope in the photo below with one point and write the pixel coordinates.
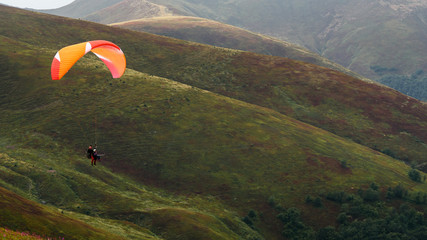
(93, 202)
(21, 214)
(220, 157)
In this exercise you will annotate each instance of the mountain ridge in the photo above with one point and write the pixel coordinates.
(218, 34)
(132, 8)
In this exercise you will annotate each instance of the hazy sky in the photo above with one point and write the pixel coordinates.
(37, 4)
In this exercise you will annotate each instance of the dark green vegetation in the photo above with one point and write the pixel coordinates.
(186, 163)
(414, 85)
(367, 214)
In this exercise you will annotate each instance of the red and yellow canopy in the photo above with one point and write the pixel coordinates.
(107, 51)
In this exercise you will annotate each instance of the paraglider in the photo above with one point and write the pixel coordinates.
(107, 51)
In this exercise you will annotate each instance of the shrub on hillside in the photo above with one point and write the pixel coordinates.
(371, 195)
(414, 175)
(397, 192)
(339, 196)
(293, 227)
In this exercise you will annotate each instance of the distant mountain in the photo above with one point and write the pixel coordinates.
(353, 34)
(222, 35)
(363, 36)
(202, 142)
(81, 8)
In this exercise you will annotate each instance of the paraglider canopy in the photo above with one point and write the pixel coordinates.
(107, 51)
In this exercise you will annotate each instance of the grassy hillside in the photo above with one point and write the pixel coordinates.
(222, 35)
(231, 152)
(369, 114)
(389, 122)
(19, 213)
(182, 162)
(93, 202)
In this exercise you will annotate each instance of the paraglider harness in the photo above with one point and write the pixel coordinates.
(93, 153)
